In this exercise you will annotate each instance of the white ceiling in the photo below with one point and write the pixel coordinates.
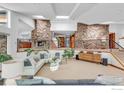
(63, 9)
(79, 12)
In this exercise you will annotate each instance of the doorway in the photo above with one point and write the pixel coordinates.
(62, 42)
(72, 41)
(112, 40)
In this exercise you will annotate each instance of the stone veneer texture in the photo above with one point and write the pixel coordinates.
(92, 36)
(41, 33)
(3, 44)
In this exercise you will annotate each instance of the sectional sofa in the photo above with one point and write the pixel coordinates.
(34, 62)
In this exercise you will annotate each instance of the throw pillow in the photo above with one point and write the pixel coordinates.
(36, 59)
(41, 56)
(27, 62)
(33, 62)
(57, 55)
(45, 56)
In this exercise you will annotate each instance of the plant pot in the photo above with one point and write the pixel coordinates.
(54, 66)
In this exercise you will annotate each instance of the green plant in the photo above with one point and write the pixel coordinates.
(53, 60)
(68, 53)
(46, 50)
(58, 38)
(29, 51)
(36, 52)
(4, 57)
(72, 34)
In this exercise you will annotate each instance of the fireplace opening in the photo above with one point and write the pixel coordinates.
(44, 44)
(41, 43)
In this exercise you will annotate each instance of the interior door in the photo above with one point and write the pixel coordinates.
(72, 41)
(111, 40)
(62, 41)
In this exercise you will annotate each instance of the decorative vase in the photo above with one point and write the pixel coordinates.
(54, 66)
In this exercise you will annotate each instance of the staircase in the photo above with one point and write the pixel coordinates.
(119, 55)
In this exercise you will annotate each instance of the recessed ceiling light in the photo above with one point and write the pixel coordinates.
(39, 17)
(62, 17)
(108, 22)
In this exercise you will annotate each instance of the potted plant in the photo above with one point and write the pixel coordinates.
(52, 61)
(54, 65)
(29, 51)
(68, 53)
(4, 57)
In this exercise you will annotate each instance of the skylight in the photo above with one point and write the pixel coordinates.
(62, 17)
(39, 17)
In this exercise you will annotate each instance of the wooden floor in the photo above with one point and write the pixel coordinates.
(76, 69)
(119, 54)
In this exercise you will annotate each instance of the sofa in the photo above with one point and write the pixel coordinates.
(34, 62)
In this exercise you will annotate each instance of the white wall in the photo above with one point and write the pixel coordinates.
(15, 28)
(27, 20)
(24, 30)
(4, 30)
(118, 29)
(63, 26)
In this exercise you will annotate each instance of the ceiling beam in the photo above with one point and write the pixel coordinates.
(74, 9)
(81, 9)
(53, 9)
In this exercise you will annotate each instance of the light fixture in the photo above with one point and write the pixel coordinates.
(62, 17)
(38, 17)
(108, 22)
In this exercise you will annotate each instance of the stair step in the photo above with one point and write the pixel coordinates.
(119, 54)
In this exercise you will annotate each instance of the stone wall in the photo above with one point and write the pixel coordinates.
(3, 44)
(41, 32)
(92, 36)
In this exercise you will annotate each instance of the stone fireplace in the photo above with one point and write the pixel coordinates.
(93, 36)
(41, 35)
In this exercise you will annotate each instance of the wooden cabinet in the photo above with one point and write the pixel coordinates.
(97, 58)
(84, 56)
(90, 57)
